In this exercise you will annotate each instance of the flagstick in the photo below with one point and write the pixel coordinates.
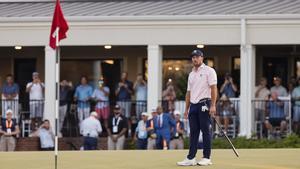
(57, 50)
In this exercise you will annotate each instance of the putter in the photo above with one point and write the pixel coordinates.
(232, 146)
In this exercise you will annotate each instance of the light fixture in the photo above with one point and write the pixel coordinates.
(107, 46)
(200, 46)
(177, 68)
(18, 47)
(170, 80)
(170, 68)
(111, 62)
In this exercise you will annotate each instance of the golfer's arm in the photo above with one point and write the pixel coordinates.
(214, 94)
(187, 101)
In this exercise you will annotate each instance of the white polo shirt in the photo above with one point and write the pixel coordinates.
(200, 81)
(90, 127)
(36, 91)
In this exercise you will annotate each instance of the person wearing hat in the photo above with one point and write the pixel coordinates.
(36, 95)
(117, 127)
(9, 130)
(90, 128)
(141, 132)
(200, 102)
(177, 135)
(151, 132)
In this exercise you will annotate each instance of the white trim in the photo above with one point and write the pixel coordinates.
(156, 18)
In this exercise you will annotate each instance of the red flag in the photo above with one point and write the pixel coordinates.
(58, 21)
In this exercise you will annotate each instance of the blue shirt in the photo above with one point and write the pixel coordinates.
(10, 89)
(228, 90)
(141, 130)
(123, 93)
(83, 93)
(46, 138)
(276, 111)
(141, 92)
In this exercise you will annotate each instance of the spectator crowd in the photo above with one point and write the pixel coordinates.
(162, 128)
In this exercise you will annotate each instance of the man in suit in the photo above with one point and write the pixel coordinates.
(162, 125)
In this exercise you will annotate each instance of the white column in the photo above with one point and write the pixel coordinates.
(97, 72)
(154, 76)
(247, 90)
(49, 108)
(247, 83)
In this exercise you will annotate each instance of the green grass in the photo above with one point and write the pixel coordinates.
(157, 159)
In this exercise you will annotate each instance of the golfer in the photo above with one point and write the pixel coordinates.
(201, 104)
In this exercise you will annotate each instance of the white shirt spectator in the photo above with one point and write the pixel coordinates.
(46, 138)
(36, 91)
(262, 94)
(90, 127)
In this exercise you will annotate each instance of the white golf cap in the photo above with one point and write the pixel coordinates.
(9, 111)
(93, 113)
(35, 74)
(176, 112)
(144, 114)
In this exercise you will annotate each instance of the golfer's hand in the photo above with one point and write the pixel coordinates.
(186, 115)
(212, 111)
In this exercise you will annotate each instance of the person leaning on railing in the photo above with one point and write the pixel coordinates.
(10, 96)
(82, 96)
(9, 130)
(275, 114)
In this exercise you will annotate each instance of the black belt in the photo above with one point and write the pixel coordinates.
(202, 101)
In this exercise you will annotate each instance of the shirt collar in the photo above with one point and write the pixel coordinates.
(200, 67)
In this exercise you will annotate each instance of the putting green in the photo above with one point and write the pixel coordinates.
(157, 159)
